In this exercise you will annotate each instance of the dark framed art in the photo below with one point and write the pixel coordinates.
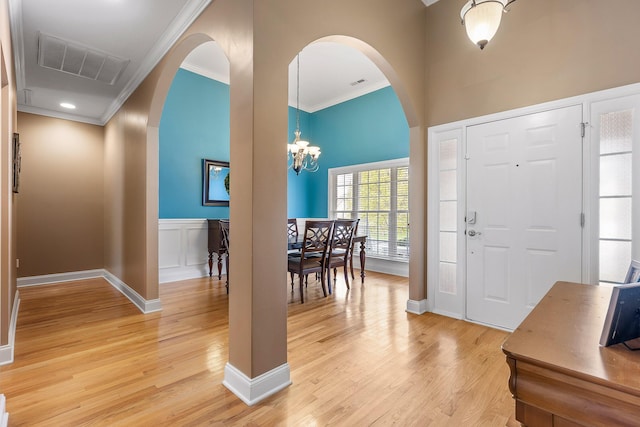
(215, 183)
(17, 162)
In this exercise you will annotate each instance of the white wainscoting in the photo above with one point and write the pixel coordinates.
(182, 250)
(183, 254)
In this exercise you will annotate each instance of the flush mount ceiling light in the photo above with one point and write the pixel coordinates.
(67, 105)
(481, 19)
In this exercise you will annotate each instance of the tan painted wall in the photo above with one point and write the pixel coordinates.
(7, 199)
(61, 199)
(544, 50)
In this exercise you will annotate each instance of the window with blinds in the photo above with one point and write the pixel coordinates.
(378, 194)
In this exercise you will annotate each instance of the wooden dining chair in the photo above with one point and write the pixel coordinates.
(313, 254)
(292, 228)
(292, 234)
(341, 248)
(224, 228)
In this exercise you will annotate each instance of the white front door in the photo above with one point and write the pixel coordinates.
(523, 213)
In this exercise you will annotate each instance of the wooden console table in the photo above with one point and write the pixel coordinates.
(560, 376)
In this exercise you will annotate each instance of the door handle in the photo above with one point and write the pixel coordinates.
(473, 232)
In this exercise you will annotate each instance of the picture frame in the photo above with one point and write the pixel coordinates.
(633, 274)
(622, 321)
(215, 183)
(17, 162)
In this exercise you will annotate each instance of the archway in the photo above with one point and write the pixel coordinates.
(257, 331)
(416, 302)
(348, 108)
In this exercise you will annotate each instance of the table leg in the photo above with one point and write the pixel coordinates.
(219, 266)
(363, 257)
(353, 247)
(210, 264)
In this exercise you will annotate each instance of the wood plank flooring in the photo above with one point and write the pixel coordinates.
(84, 355)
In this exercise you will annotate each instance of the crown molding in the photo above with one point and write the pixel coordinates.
(15, 22)
(205, 73)
(346, 97)
(58, 115)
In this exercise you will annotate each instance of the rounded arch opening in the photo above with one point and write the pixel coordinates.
(176, 147)
(366, 125)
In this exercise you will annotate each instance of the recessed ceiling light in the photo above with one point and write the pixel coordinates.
(67, 105)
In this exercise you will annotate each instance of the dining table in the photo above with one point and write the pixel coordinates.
(215, 245)
(295, 242)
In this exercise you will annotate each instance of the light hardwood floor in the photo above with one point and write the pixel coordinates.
(84, 355)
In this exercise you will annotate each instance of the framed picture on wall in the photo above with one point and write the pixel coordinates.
(215, 183)
(17, 160)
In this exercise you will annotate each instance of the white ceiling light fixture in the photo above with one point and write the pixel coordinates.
(481, 19)
(68, 105)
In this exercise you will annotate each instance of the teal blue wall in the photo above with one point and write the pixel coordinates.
(367, 129)
(195, 125)
(296, 185)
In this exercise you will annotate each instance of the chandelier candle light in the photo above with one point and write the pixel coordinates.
(481, 19)
(302, 156)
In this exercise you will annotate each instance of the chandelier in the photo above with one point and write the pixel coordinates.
(301, 155)
(481, 19)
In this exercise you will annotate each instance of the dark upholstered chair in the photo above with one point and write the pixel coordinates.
(341, 247)
(224, 228)
(313, 254)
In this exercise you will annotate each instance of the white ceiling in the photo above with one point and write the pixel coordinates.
(328, 73)
(141, 32)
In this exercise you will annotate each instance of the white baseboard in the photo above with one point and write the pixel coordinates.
(395, 268)
(449, 314)
(253, 390)
(186, 273)
(417, 307)
(48, 279)
(6, 351)
(145, 306)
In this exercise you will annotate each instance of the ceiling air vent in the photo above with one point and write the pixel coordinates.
(79, 60)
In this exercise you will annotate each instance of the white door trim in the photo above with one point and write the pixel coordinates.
(435, 134)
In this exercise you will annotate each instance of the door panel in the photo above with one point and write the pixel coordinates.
(524, 183)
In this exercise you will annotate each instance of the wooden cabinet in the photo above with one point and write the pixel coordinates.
(560, 376)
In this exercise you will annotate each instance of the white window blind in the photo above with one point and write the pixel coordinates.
(378, 194)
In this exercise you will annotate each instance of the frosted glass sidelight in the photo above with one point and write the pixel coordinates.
(615, 175)
(615, 218)
(448, 183)
(616, 132)
(448, 246)
(448, 214)
(448, 278)
(448, 154)
(614, 260)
